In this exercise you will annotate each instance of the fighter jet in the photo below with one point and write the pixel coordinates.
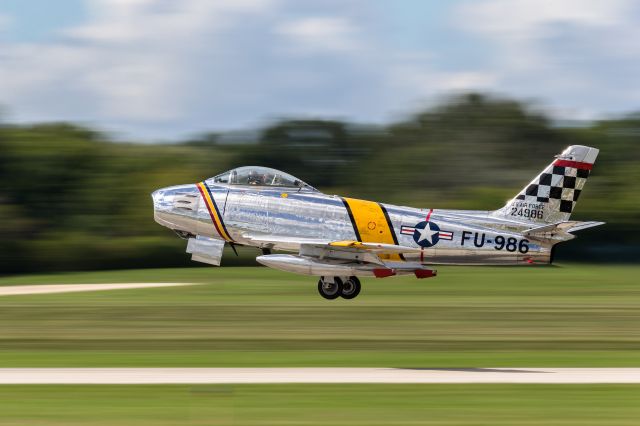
(340, 239)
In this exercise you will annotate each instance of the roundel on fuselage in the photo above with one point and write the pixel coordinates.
(426, 234)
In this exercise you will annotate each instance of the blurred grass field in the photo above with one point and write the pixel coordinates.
(561, 316)
(476, 405)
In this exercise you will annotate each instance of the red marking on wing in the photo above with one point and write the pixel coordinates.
(383, 273)
(425, 273)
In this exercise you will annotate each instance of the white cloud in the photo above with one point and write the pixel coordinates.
(199, 65)
(158, 68)
(466, 81)
(313, 34)
(131, 21)
(413, 82)
(519, 26)
(560, 51)
(130, 61)
(530, 18)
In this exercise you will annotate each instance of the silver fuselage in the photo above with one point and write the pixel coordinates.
(289, 215)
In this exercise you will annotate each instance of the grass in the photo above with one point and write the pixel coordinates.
(573, 315)
(567, 316)
(369, 405)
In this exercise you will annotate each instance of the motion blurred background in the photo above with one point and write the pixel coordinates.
(424, 103)
(427, 103)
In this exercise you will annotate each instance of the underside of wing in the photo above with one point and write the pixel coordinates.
(311, 265)
(343, 258)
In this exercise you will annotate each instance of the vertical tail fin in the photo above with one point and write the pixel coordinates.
(552, 195)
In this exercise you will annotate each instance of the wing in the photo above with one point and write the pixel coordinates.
(341, 258)
(294, 243)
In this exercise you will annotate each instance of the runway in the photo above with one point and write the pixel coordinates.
(18, 290)
(316, 375)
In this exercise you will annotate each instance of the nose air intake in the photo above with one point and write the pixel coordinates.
(176, 207)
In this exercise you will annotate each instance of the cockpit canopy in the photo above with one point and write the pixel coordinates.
(259, 176)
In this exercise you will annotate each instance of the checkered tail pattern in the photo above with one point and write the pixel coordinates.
(551, 197)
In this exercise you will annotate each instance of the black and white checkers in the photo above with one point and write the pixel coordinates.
(559, 185)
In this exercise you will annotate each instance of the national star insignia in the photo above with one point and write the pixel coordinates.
(426, 234)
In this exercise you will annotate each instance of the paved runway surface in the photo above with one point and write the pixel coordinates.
(15, 290)
(314, 375)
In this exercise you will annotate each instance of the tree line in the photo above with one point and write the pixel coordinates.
(70, 198)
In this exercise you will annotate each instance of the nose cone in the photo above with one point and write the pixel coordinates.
(176, 206)
(156, 196)
(162, 205)
(158, 199)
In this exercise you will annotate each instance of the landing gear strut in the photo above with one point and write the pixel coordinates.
(334, 287)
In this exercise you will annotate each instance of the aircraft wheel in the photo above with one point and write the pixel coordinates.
(350, 288)
(330, 290)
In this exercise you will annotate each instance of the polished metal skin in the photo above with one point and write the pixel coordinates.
(332, 236)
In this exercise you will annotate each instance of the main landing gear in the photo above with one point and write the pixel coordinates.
(334, 287)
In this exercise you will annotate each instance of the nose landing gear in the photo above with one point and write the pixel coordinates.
(334, 287)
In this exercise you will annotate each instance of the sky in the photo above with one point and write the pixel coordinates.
(155, 70)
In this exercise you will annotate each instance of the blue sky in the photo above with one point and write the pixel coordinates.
(163, 70)
(39, 20)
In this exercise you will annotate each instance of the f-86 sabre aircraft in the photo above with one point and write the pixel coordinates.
(340, 238)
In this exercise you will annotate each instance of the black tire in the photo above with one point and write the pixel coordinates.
(351, 288)
(330, 291)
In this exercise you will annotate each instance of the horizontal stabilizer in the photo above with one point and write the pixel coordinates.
(567, 227)
(579, 226)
